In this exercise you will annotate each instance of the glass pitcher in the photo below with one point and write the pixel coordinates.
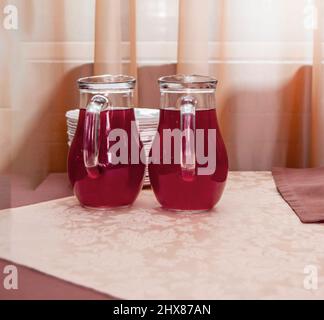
(188, 160)
(102, 173)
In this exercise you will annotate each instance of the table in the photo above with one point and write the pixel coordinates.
(251, 245)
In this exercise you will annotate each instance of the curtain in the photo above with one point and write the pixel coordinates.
(266, 54)
(193, 37)
(108, 37)
(317, 105)
(271, 109)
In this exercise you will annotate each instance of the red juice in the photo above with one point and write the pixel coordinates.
(175, 189)
(115, 185)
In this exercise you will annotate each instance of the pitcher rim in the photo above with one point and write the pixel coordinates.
(107, 82)
(189, 80)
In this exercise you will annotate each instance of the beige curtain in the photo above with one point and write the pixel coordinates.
(108, 37)
(283, 126)
(317, 105)
(270, 108)
(193, 37)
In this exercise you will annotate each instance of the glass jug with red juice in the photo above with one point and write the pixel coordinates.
(188, 161)
(106, 106)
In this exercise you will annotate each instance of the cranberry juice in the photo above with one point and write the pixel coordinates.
(172, 188)
(115, 185)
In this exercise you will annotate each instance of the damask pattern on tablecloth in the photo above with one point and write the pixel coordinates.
(250, 246)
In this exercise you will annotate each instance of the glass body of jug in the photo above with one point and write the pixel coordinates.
(188, 160)
(99, 179)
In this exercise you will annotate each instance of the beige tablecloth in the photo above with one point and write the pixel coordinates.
(251, 245)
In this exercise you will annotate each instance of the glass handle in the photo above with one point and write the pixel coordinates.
(91, 142)
(188, 128)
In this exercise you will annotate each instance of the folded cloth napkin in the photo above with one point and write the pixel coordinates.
(303, 190)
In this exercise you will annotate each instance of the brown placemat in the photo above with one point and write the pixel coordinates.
(303, 190)
(35, 285)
